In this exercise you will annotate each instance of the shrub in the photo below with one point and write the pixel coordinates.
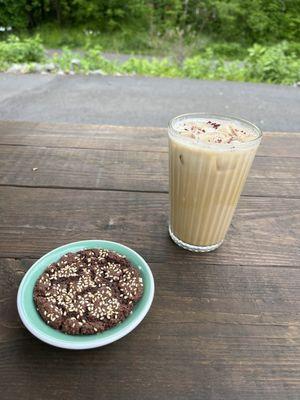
(153, 67)
(15, 50)
(93, 60)
(274, 64)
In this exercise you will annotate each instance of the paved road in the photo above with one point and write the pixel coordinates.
(143, 101)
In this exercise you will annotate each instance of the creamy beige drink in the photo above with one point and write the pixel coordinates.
(209, 160)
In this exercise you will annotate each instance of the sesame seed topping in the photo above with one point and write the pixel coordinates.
(86, 287)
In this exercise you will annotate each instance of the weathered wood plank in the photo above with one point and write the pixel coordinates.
(109, 137)
(121, 170)
(213, 332)
(223, 325)
(264, 230)
(84, 136)
(102, 169)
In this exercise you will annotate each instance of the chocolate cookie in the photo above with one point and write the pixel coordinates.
(87, 292)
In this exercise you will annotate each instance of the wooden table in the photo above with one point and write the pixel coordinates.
(224, 325)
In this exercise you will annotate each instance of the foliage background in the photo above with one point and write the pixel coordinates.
(234, 20)
(252, 40)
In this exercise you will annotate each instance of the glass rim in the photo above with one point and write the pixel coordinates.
(172, 130)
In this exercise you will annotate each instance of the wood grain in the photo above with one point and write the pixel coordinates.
(84, 136)
(107, 137)
(234, 334)
(223, 325)
(264, 230)
(96, 169)
(121, 170)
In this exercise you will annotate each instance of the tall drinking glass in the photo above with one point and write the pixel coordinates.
(209, 160)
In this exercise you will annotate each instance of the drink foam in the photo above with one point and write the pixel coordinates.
(215, 131)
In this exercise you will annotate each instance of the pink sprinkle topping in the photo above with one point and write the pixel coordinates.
(214, 124)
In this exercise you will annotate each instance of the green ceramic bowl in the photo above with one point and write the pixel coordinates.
(42, 331)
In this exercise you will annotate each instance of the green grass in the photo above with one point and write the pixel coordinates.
(127, 41)
(279, 63)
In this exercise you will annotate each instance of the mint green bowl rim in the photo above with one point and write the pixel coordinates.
(34, 323)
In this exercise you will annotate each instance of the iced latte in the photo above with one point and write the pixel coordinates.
(209, 160)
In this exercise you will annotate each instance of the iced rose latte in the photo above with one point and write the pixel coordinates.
(209, 160)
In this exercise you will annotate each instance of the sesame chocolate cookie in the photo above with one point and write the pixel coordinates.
(87, 292)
